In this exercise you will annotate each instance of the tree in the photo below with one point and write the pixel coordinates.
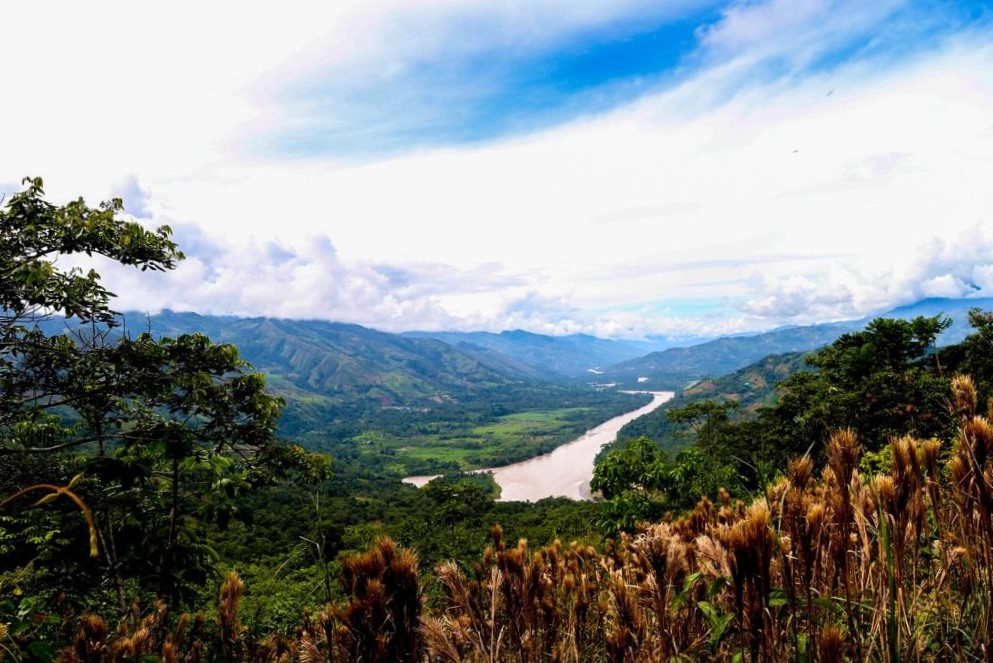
(709, 422)
(169, 429)
(633, 481)
(456, 499)
(884, 382)
(34, 233)
(975, 353)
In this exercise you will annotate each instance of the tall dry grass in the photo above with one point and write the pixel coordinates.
(833, 567)
(825, 566)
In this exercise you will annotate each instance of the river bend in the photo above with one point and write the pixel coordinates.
(564, 472)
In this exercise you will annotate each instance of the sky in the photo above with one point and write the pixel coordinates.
(625, 169)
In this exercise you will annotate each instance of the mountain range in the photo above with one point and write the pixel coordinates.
(675, 367)
(554, 356)
(327, 362)
(334, 358)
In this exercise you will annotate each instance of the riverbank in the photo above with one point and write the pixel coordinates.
(564, 472)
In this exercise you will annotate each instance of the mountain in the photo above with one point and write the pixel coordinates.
(558, 356)
(327, 363)
(346, 359)
(401, 405)
(752, 387)
(312, 361)
(675, 367)
(956, 309)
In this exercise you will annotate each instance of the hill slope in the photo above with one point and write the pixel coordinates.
(751, 387)
(553, 356)
(350, 360)
(386, 403)
(675, 367)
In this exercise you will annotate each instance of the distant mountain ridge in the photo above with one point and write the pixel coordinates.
(348, 360)
(675, 367)
(554, 356)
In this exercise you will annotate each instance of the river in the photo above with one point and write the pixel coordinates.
(564, 472)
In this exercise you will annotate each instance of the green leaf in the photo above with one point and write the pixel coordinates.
(777, 598)
(46, 499)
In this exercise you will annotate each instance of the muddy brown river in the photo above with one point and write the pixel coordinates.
(564, 472)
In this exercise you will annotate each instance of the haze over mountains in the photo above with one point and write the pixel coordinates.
(674, 367)
(319, 362)
(559, 356)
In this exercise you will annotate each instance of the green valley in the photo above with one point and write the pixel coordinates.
(148, 473)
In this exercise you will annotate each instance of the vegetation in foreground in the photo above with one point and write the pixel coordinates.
(882, 557)
(889, 567)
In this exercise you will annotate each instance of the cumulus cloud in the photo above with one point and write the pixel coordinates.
(309, 279)
(304, 279)
(959, 267)
(808, 160)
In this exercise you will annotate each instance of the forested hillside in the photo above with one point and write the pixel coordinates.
(675, 368)
(559, 356)
(350, 360)
(149, 512)
(391, 403)
(887, 381)
(745, 391)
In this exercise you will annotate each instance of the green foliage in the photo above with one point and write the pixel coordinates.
(694, 474)
(709, 424)
(454, 501)
(639, 483)
(638, 466)
(34, 233)
(974, 356)
(170, 429)
(884, 382)
(632, 480)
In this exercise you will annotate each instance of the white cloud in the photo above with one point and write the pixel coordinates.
(800, 28)
(796, 197)
(961, 266)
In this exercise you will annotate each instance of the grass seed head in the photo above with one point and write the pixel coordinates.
(964, 396)
(799, 471)
(843, 452)
(931, 449)
(831, 644)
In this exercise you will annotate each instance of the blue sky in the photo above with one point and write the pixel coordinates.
(475, 89)
(622, 169)
(483, 91)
